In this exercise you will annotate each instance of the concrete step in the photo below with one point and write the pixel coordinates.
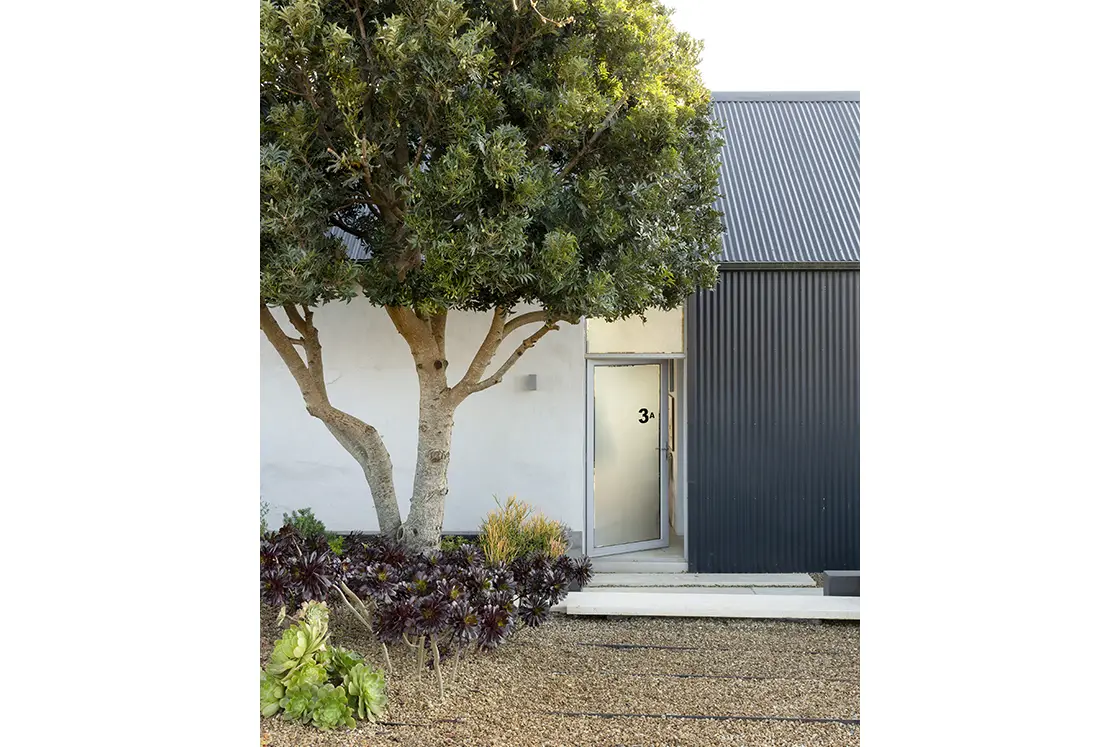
(605, 579)
(802, 590)
(622, 565)
(659, 604)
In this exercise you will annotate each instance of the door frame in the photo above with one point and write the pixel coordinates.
(589, 463)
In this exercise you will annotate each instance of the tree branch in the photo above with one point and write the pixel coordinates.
(527, 318)
(527, 343)
(286, 349)
(423, 140)
(438, 323)
(359, 15)
(546, 19)
(419, 336)
(483, 356)
(342, 226)
(361, 440)
(297, 321)
(591, 141)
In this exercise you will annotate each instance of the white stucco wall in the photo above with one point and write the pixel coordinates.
(507, 440)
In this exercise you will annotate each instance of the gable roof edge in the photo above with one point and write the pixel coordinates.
(785, 96)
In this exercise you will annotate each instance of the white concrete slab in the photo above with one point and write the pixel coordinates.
(603, 578)
(802, 590)
(606, 565)
(682, 589)
(658, 604)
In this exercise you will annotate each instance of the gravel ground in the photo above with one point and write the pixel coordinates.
(540, 688)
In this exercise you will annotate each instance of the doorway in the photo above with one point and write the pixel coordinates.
(627, 443)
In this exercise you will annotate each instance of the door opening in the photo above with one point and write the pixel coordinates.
(627, 456)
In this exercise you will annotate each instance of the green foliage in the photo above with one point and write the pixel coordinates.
(308, 673)
(316, 683)
(272, 691)
(368, 687)
(300, 642)
(332, 708)
(309, 527)
(339, 661)
(298, 702)
(454, 542)
(264, 517)
(509, 532)
(483, 156)
(305, 523)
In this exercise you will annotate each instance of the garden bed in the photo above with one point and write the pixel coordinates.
(593, 681)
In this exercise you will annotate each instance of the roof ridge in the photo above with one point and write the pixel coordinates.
(785, 96)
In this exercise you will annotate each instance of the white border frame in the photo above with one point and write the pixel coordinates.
(589, 458)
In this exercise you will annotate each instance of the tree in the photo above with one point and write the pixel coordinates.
(483, 154)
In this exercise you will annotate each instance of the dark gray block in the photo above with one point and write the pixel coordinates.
(841, 583)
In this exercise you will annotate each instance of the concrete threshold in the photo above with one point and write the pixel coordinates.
(742, 605)
(700, 579)
(802, 590)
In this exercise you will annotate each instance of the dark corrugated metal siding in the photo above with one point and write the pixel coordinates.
(773, 422)
(789, 182)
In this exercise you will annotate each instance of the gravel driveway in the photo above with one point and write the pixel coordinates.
(619, 681)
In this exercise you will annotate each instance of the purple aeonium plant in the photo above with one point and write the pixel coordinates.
(432, 614)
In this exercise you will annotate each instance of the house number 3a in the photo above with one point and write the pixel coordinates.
(646, 415)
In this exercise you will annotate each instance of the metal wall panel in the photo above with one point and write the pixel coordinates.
(773, 422)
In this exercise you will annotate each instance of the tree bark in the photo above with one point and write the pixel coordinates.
(424, 525)
(425, 338)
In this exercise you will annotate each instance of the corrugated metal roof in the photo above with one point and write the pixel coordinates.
(790, 177)
(355, 249)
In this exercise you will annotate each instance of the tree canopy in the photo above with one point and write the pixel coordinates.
(485, 153)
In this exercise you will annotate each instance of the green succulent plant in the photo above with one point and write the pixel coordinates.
(271, 693)
(315, 614)
(332, 708)
(308, 673)
(299, 702)
(339, 661)
(366, 687)
(300, 642)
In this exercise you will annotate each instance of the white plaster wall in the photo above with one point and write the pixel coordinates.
(507, 440)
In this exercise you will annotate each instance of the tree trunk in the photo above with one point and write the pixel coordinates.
(424, 525)
(425, 335)
(361, 440)
(365, 445)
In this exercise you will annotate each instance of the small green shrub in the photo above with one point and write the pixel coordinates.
(313, 682)
(304, 522)
(509, 533)
(264, 517)
(455, 542)
(308, 527)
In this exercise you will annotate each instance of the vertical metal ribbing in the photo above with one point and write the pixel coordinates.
(773, 428)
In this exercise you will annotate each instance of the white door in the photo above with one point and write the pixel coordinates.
(626, 457)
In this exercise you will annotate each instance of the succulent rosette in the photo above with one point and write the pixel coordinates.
(331, 708)
(272, 691)
(366, 689)
(298, 702)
